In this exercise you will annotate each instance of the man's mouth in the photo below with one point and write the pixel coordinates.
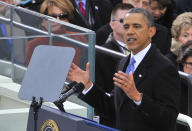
(131, 40)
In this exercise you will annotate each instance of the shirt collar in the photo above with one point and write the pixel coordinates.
(139, 56)
(122, 44)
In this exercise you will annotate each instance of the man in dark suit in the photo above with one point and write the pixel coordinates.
(97, 13)
(146, 96)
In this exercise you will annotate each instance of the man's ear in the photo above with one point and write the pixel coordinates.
(152, 31)
(111, 24)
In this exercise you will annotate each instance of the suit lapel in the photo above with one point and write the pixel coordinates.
(122, 66)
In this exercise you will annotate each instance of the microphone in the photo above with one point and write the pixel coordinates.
(68, 87)
(75, 89)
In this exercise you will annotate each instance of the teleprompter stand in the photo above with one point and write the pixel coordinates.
(36, 106)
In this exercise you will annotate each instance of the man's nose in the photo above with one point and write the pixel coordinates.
(130, 31)
(190, 37)
(157, 12)
(139, 4)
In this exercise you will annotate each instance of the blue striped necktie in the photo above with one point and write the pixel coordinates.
(130, 67)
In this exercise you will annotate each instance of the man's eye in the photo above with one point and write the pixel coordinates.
(185, 35)
(126, 27)
(137, 26)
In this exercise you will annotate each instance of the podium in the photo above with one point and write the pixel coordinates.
(51, 119)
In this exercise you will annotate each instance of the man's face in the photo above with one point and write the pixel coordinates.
(117, 24)
(138, 3)
(137, 34)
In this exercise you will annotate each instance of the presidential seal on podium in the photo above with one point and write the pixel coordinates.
(49, 125)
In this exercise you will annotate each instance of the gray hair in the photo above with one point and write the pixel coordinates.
(147, 16)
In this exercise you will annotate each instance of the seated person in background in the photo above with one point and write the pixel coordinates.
(185, 57)
(61, 10)
(92, 14)
(17, 46)
(163, 12)
(182, 32)
(184, 64)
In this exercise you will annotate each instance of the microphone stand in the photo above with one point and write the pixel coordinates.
(59, 104)
(73, 88)
(36, 106)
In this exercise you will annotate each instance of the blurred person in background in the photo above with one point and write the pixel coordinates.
(139, 3)
(61, 10)
(184, 64)
(181, 31)
(17, 46)
(92, 14)
(163, 12)
(185, 57)
(58, 9)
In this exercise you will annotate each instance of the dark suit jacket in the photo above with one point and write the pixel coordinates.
(162, 39)
(97, 14)
(106, 65)
(159, 82)
(102, 34)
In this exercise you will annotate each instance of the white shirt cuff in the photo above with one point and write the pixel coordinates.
(137, 103)
(86, 91)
